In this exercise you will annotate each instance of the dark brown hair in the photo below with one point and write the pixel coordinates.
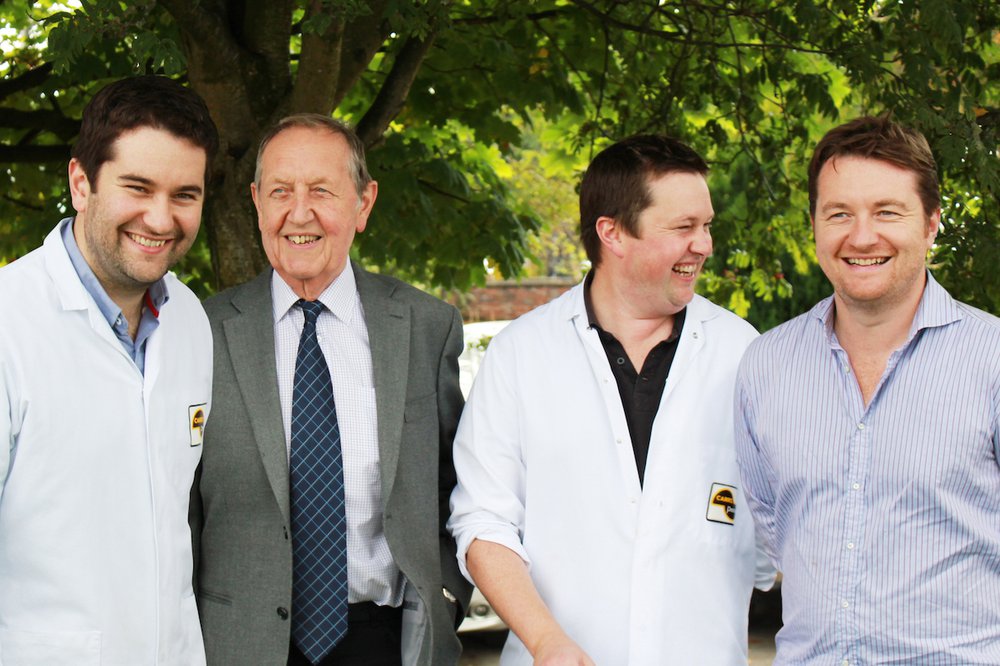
(142, 101)
(879, 139)
(616, 184)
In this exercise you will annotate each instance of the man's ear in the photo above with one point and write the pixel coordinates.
(365, 205)
(933, 225)
(610, 233)
(79, 186)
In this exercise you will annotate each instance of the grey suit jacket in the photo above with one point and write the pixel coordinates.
(240, 501)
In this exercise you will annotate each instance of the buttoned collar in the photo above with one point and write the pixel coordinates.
(339, 297)
(936, 308)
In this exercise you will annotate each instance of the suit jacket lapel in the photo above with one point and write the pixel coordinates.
(250, 339)
(388, 324)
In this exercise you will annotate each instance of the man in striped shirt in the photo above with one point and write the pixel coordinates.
(867, 428)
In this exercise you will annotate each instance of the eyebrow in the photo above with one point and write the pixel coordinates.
(142, 180)
(890, 202)
(834, 205)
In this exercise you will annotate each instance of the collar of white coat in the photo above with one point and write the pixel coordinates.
(72, 294)
(699, 311)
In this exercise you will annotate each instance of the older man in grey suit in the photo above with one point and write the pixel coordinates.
(319, 510)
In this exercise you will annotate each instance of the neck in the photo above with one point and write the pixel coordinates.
(620, 314)
(876, 327)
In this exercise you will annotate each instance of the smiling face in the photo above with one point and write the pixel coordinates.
(143, 212)
(872, 233)
(661, 265)
(308, 208)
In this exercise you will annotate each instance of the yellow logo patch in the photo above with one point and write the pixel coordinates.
(722, 504)
(196, 419)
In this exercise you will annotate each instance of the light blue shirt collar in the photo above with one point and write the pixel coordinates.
(156, 296)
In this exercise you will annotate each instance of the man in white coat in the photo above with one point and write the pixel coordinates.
(105, 379)
(598, 507)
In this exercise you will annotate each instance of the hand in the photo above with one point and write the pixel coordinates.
(560, 650)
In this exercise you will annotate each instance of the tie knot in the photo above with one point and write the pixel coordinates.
(311, 309)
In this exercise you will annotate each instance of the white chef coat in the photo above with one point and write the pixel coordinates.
(643, 576)
(96, 466)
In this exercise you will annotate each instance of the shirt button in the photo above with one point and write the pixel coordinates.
(845, 663)
(850, 546)
(844, 604)
(855, 486)
(621, 361)
(847, 369)
(282, 612)
(861, 426)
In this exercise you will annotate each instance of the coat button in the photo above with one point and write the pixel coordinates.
(282, 612)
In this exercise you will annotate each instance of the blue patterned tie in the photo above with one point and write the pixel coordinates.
(319, 526)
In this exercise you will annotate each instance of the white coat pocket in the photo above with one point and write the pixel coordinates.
(31, 648)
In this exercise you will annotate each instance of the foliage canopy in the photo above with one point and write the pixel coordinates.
(446, 94)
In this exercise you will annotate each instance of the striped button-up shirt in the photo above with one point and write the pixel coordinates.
(885, 519)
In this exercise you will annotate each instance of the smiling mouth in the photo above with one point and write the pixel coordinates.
(147, 242)
(302, 240)
(869, 261)
(686, 270)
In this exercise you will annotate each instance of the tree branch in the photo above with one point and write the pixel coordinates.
(396, 88)
(23, 204)
(40, 119)
(488, 20)
(33, 154)
(265, 27)
(207, 29)
(360, 44)
(319, 65)
(26, 81)
(677, 37)
(434, 188)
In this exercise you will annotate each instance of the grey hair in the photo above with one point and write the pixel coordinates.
(356, 163)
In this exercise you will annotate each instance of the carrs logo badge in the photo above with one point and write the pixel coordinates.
(196, 419)
(722, 504)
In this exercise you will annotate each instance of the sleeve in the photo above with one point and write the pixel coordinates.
(995, 424)
(488, 502)
(756, 473)
(450, 402)
(9, 419)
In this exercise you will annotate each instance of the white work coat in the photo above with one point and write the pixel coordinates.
(96, 466)
(640, 576)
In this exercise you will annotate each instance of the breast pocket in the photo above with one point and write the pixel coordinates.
(31, 648)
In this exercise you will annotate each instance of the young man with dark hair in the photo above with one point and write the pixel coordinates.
(598, 507)
(868, 429)
(105, 380)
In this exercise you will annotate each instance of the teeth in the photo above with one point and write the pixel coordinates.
(685, 270)
(147, 242)
(867, 262)
(302, 240)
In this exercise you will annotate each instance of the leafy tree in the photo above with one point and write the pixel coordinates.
(443, 92)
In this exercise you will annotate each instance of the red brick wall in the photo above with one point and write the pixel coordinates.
(508, 299)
